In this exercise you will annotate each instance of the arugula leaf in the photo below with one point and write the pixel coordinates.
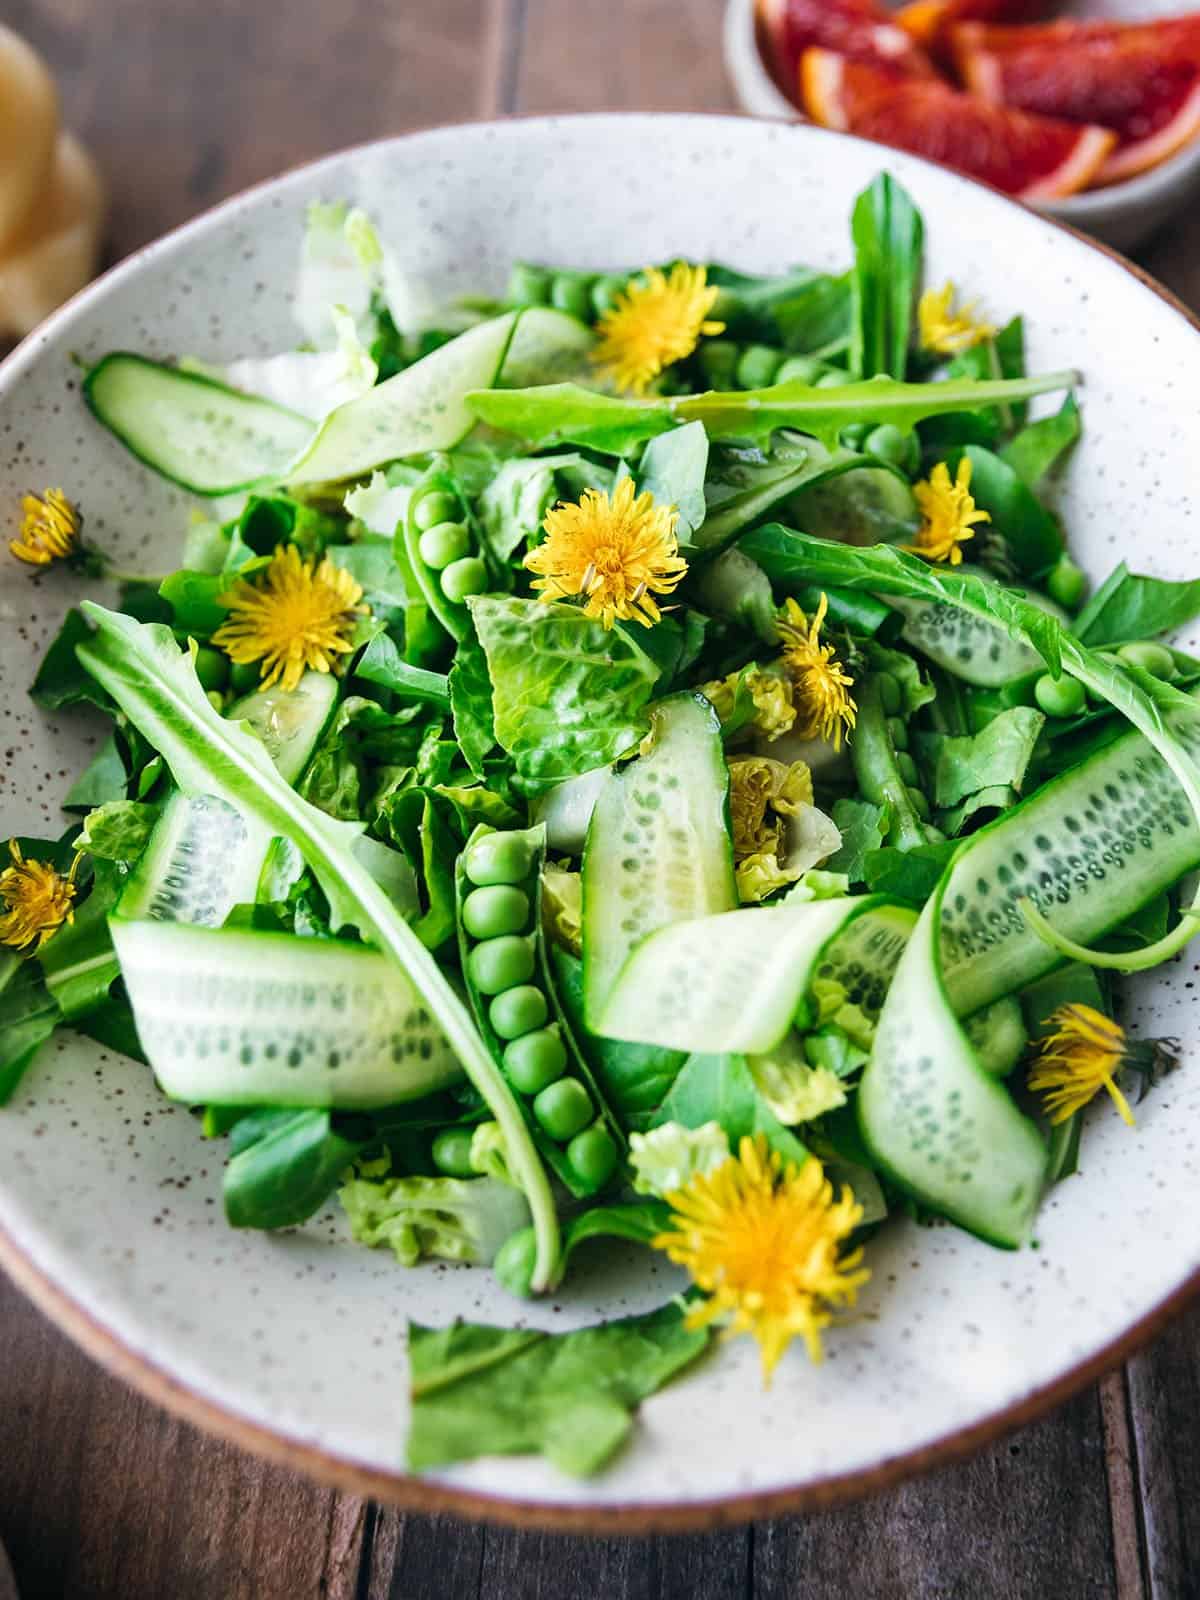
(479, 1390)
(673, 470)
(720, 1088)
(564, 413)
(1042, 444)
(155, 683)
(1129, 606)
(863, 828)
(567, 694)
(888, 236)
(28, 1016)
(1034, 539)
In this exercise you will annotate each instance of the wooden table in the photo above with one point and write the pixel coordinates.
(101, 1494)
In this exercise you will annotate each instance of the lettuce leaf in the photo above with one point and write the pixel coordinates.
(458, 1219)
(568, 695)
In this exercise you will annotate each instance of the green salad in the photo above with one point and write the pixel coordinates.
(633, 760)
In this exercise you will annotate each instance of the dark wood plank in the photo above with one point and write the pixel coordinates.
(530, 1566)
(1164, 1387)
(1025, 1520)
(104, 1496)
(1174, 256)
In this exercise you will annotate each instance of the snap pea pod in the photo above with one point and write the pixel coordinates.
(498, 888)
(438, 546)
(878, 766)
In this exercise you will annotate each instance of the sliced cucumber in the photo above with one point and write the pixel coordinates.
(864, 956)
(864, 506)
(289, 722)
(966, 645)
(658, 846)
(1089, 849)
(202, 435)
(933, 1118)
(202, 859)
(547, 346)
(731, 982)
(234, 1017)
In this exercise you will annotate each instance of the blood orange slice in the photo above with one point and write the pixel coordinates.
(1140, 79)
(1033, 157)
(928, 20)
(861, 30)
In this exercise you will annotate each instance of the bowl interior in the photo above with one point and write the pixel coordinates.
(109, 1192)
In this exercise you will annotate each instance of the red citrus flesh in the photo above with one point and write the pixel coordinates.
(1141, 80)
(1032, 157)
(861, 30)
(928, 20)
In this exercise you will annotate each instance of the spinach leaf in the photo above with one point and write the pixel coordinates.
(60, 680)
(1042, 444)
(636, 1223)
(673, 469)
(479, 1390)
(721, 1089)
(998, 756)
(79, 964)
(567, 694)
(103, 779)
(28, 1016)
(633, 1078)
(565, 413)
(192, 597)
(284, 1166)
(1034, 539)
(888, 236)
(1129, 606)
(381, 663)
(816, 319)
(910, 875)
(863, 828)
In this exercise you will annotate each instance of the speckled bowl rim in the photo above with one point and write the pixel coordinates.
(420, 1494)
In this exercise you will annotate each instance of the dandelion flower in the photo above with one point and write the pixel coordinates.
(1084, 1054)
(37, 900)
(824, 709)
(771, 696)
(615, 553)
(49, 529)
(293, 617)
(946, 329)
(655, 322)
(948, 514)
(764, 1245)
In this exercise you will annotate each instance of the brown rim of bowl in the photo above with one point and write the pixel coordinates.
(420, 1494)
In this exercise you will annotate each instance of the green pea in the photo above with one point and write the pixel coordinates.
(518, 1011)
(515, 1261)
(718, 362)
(592, 1156)
(499, 964)
(800, 369)
(244, 676)
(563, 1109)
(498, 909)
(435, 507)
(907, 768)
(890, 694)
(463, 578)
(212, 667)
(757, 366)
(855, 435)
(606, 291)
(444, 544)
(215, 699)
(893, 445)
(1149, 657)
(499, 858)
(1059, 697)
(919, 804)
(452, 1153)
(573, 295)
(835, 378)
(535, 1060)
(898, 730)
(528, 285)
(1067, 583)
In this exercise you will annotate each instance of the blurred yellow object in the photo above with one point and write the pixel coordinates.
(51, 196)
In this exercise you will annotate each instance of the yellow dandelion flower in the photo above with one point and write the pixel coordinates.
(655, 322)
(616, 554)
(946, 329)
(37, 898)
(948, 514)
(824, 709)
(292, 617)
(1085, 1053)
(49, 529)
(764, 1244)
(771, 696)
(762, 793)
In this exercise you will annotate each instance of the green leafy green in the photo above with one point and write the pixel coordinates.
(564, 413)
(104, 779)
(79, 963)
(670, 1155)
(1033, 538)
(633, 1078)
(1041, 445)
(863, 828)
(60, 680)
(996, 757)
(381, 663)
(471, 704)
(888, 239)
(673, 470)
(118, 830)
(478, 1390)
(284, 1167)
(568, 695)
(720, 1088)
(1129, 606)
(910, 875)
(28, 1016)
(192, 597)
(458, 1219)
(515, 501)
(736, 588)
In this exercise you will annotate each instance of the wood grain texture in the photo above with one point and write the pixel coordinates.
(101, 1495)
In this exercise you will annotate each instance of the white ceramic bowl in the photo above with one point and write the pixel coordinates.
(110, 1201)
(1122, 216)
